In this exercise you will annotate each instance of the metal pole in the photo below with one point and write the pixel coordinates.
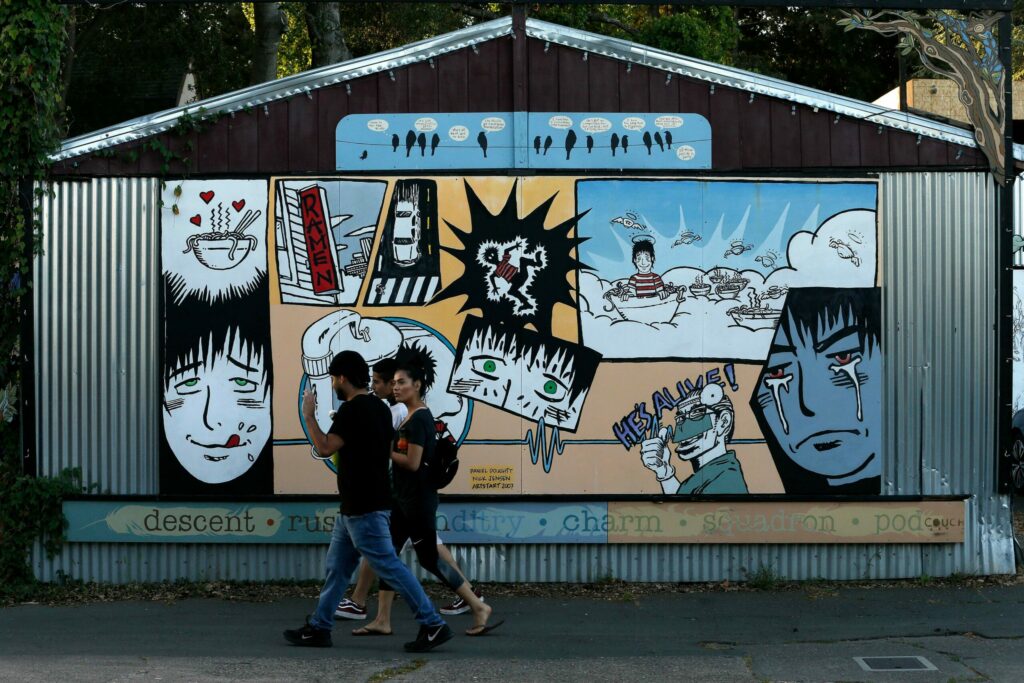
(1004, 265)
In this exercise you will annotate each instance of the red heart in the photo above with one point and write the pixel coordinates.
(196, 220)
(206, 196)
(238, 205)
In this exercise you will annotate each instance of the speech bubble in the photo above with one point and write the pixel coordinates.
(425, 125)
(377, 125)
(560, 122)
(686, 153)
(633, 123)
(668, 122)
(595, 124)
(493, 124)
(458, 133)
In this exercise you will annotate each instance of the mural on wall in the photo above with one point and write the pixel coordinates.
(213, 241)
(680, 266)
(703, 430)
(530, 278)
(583, 335)
(376, 339)
(1011, 472)
(324, 233)
(1017, 337)
(217, 365)
(541, 140)
(819, 397)
(407, 269)
(542, 379)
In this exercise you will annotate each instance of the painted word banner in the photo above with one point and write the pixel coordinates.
(805, 522)
(528, 522)
(313, 522)
(542, 140)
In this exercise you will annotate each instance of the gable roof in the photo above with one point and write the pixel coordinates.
(424, 50)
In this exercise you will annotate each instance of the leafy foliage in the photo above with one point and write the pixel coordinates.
(31, 41)
(709, 33)
(30, 509)
(808, 47)
(131, 60)
(157, 42)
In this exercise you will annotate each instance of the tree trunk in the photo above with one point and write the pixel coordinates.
(269, 27)
(323, 21)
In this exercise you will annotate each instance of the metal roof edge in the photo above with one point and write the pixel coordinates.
(617, 48)
(756, 84)
(264, 93)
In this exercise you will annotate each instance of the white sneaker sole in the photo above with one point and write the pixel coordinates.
(347, 615)
(456, 612)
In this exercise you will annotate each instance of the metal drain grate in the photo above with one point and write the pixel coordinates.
(895, 664)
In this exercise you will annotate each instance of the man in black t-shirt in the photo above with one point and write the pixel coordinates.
(361, 434)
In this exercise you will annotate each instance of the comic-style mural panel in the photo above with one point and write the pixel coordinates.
(217, 366)
(680, 266)
(1012, 468)
(324, 232)
(539, 140)
(582, 335)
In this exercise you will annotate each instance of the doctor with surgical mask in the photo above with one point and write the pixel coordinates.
(704, 424)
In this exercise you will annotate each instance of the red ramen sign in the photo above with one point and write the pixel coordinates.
(322, 270)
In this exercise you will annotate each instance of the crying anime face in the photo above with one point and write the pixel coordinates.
(820, 391)
(517, 371)
(217, 409)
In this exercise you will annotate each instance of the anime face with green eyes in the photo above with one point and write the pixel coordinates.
(521, 372)
(217, 409)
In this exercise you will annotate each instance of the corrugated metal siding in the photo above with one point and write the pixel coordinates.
(96, 324)
(938, 251)
(126, 563)
(96, 346)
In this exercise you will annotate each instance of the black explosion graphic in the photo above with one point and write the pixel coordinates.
(549, 284)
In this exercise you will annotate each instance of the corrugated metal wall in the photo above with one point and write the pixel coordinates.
(97, 299)
(938, 280)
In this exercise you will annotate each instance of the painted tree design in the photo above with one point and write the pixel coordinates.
(964, 50)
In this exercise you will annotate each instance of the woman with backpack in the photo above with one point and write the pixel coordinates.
(414, 507)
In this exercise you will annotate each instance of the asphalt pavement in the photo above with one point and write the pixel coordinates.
(810, 633)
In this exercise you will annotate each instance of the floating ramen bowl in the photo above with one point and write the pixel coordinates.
(220, 251)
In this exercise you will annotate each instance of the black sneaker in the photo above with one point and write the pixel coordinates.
(309, 636)
(429, 638)
(459, 606)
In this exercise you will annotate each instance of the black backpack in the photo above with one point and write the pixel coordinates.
(443, 466)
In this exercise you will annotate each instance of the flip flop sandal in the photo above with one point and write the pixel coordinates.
(369, 632)
(473, 633)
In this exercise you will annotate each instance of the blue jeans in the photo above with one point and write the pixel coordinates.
(368, 535)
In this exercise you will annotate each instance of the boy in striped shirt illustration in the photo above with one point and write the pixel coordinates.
(644, 283)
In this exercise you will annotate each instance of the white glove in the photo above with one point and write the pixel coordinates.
(656, 456)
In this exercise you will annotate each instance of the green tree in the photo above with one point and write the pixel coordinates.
(130, 60)
(807, 46)
(709, 33)
(32, 36)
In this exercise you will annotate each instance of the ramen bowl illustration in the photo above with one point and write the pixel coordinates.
(221, 250)
(224, 249)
